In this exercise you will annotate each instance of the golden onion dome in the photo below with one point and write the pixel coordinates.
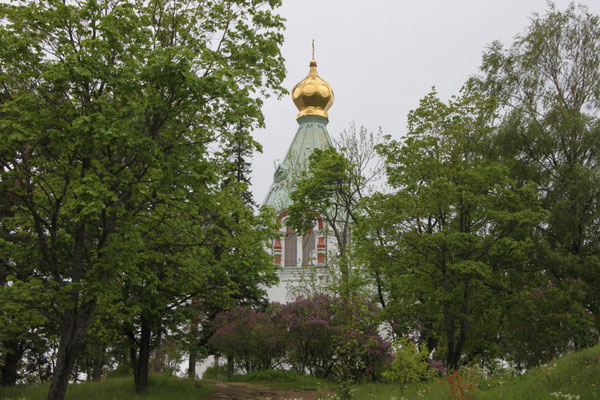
(312, 96)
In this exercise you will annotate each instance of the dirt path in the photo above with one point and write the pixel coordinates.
(247, 391)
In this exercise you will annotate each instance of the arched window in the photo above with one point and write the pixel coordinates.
(291, 248)
(308, 247)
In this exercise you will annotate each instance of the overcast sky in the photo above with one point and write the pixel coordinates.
(381, 57)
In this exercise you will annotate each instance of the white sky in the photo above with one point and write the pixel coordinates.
(381, 57)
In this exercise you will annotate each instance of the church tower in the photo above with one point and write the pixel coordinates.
(300, 254)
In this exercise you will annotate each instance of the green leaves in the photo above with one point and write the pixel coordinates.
(410, 363)
(494, 195)
(547, 84)
(108, 110)
(325, 188)
(452, 230)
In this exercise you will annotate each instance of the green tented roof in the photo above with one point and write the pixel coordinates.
(311, 134)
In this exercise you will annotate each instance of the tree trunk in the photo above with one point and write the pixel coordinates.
(13, 351)
(97, 367)
(191, 372)
(449, 330)
(73, 331)
(230, 366)
(140, 360)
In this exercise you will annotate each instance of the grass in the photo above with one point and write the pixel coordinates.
(285, 380)
(162, 387)
(574, 374)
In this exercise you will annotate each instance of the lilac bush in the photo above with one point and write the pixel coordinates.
(437, 366)
(310, 334)
(324, 336)
(252, 338)
(360, 350)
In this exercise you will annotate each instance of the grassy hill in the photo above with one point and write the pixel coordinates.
(576, 374)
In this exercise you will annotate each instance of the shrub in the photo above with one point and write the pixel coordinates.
(334, 337)
(360, 350)
(215, 373)
(556, 320)
(310, 334)
(410, 364)
(252, 338)
(323, 335)
(437, 366)
(271, 375)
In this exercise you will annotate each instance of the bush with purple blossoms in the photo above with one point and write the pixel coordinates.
(252, 338)
(324, 336)
(310, 335)
(437, 366)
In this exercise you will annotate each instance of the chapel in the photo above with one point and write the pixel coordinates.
(301, 256)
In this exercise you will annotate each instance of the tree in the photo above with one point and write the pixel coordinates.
(453, 235)
(23, 329)
(27, 334)
(107, 110)
(236, 153)
(240, 251)
(548, 84)
(102, 345)
(332, 187)
(214, 257)
(174, 269)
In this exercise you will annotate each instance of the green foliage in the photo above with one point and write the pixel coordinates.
(493, 197)
(410, 363)
(454, 235)
(548, 84)
(215, 373)
(326, 184)
(270, 375)
(109, 110)
(556, 322)
(327, 190)
(575, 374)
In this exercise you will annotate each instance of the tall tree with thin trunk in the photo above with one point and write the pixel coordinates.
(548, 84)
(332, 187)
